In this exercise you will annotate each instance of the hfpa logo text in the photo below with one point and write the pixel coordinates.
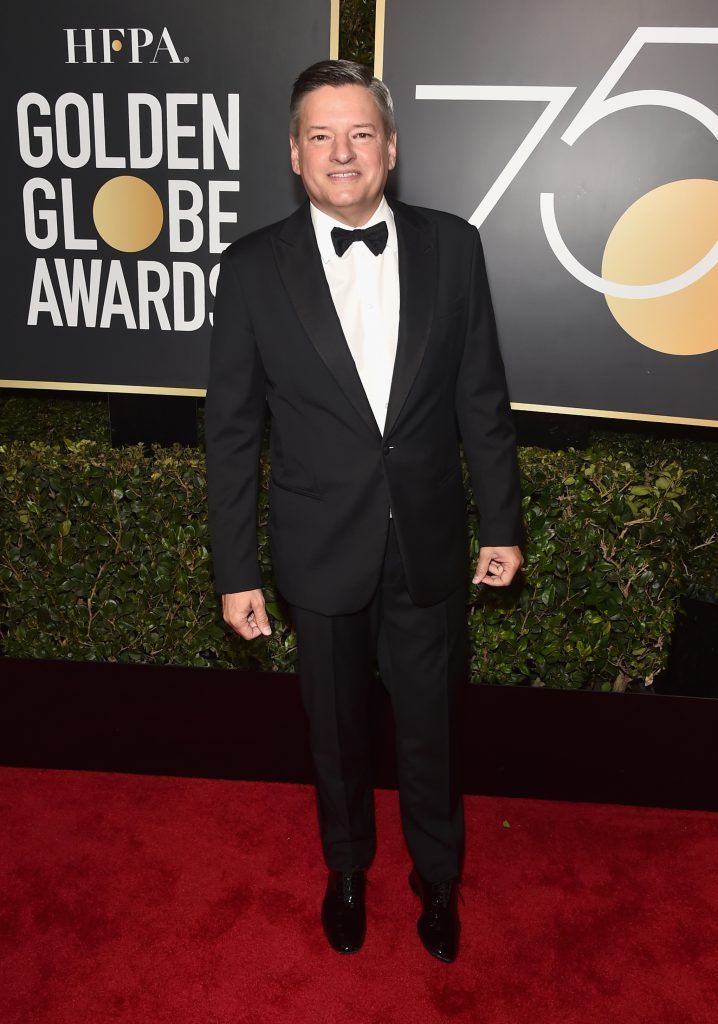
(111, 46)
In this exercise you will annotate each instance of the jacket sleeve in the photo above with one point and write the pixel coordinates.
(484, 417)
(235, 408)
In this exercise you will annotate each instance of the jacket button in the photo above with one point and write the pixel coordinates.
(388, 448)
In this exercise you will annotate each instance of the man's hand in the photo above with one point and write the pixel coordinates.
(246, 614)
(497, 566)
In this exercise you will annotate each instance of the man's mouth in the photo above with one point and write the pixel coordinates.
(343, 174)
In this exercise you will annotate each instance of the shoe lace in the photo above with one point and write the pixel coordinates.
(350, 882)
(440, 896)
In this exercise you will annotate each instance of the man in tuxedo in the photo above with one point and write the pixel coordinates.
(366, 326)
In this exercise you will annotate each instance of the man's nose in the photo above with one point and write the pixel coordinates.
(342, 150)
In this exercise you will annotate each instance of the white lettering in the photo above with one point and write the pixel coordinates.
(70, 125)
(79, 291)
(213, 275)
(175, 131)
(121, 306)
(166, 43)
(214, 128)
(136, 101)
(98, 122)
(136, 45)
(179, 272)
(218, 217)
(190, 215)
(72, 45)
(42, 297)
(33, 99)
(32, 215)
(107, 42)
(68, 220)
(67, 101)
(75, 294)
(152, 297)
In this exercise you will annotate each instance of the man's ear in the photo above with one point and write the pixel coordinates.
(392, 150)
(294, 155)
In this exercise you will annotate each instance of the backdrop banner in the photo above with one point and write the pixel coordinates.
(125, 128)
(580, 138)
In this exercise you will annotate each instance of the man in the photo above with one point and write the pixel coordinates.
(367, 327)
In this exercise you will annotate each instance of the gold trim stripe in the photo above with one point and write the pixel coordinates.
(379, 38)
(126, 389)
(147, 389)
(334, 30)
(610, 414)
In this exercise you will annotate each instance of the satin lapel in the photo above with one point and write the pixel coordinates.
(417, 285)
(301, 270)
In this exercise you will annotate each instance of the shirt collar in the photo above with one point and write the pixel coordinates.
(323, 225)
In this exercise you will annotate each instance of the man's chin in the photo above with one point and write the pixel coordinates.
(345, 195)
(348, 207)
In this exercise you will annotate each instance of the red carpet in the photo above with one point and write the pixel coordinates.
(147, 900)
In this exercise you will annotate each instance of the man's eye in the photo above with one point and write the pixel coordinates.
(318, 137)
(363, 135)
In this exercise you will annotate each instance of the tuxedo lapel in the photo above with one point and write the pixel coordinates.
(418, 274)
(301, 270)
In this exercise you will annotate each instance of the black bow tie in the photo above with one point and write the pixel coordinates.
(374, 238)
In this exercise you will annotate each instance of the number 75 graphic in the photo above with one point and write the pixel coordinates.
(597, 106)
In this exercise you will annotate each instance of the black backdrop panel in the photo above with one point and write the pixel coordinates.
(652, 156)
(140, 139)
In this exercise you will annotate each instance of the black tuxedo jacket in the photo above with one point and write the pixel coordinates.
(277, 341)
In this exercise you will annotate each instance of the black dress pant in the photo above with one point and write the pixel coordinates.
(422, 655)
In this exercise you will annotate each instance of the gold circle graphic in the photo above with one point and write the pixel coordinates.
(127, 213)
(117, 45)
(663, 234)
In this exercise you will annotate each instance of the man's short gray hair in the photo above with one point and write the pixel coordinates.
(341, 72)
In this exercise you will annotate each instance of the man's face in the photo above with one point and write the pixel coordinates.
(342, 153)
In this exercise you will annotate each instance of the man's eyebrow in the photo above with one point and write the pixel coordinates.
(324, 127)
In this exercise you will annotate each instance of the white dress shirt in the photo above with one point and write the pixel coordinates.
(365, 292)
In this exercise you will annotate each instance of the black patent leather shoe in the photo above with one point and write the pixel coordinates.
(343, 911)
(438, 924)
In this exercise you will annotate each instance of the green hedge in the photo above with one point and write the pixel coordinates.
(613, 536)
(104, 556)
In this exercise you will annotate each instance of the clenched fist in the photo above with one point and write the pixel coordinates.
(246, 614)
(497, 566)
